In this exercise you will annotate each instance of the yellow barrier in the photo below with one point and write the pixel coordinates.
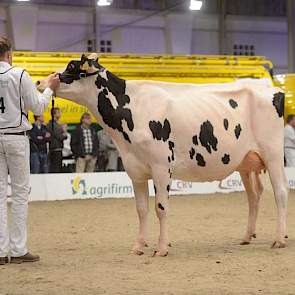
(196, 69)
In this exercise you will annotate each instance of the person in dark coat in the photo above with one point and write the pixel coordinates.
(39, 138)
(84, 145)
(58, 135)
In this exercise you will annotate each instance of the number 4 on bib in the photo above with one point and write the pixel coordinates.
(2, 107)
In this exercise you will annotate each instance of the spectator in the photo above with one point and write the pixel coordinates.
(39, 137)
(84, 145)
(58, 135)
(67, 152)
(289, 141)
(102, 151)
(110, 151)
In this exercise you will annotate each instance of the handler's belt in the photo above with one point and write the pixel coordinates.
(14, 133)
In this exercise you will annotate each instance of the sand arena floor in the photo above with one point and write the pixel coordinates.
(84, 247)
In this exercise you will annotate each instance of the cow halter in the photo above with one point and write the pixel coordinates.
(52, 110)
(81, 75)
(85, 75)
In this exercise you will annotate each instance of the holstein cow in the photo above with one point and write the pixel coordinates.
(188, 132)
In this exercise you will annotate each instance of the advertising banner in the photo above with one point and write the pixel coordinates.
(116, 185)
(51, 187)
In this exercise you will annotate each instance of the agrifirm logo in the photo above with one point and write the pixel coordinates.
(80, 187)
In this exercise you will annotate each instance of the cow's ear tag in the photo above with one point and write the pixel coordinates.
(85, 66)
(84, 63)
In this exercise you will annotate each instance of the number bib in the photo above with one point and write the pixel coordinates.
(10, 99)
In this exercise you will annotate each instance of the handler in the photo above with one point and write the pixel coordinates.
(18, 95)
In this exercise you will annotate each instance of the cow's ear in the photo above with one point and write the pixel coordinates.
(84, 63)
(83, 58)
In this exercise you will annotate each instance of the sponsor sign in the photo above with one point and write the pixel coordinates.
(290, 173)
(50, 187)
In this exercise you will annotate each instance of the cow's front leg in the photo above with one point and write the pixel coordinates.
(142, 207)
(161, 206)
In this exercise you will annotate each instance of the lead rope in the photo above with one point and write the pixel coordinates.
(52, 110)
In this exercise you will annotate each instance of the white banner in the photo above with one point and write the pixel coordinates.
(50, 187)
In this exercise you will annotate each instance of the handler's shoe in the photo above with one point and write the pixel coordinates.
(3, 260)
(26, 258)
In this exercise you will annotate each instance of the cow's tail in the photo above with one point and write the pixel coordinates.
(279, 101)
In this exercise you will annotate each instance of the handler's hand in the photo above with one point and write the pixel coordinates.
(53, 81)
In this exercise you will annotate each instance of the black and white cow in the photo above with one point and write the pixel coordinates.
(188, 132)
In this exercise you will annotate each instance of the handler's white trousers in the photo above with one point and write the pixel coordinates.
(290, 157)
(14, 157)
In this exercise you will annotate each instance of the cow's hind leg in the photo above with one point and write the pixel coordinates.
(279, 183)
(142, 207)
(162, 183)
(254, 189)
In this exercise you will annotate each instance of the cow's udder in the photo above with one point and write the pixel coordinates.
(251, 162)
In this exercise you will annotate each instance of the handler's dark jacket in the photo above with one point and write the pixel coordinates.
(77, 142)
(57, 136)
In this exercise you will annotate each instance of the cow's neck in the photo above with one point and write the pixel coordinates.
(114, 116)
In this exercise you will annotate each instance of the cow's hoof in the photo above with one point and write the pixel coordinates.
(245, 243)
(137, 252)
(160, 253)
(254, 236)
(278, 244)
(170, 245)
(138, 248)
(286, 236)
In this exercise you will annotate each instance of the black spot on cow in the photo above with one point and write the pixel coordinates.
(155, 189)
(162, 132)
(225, 159)
(238, 130)
(192, 153)
(159, 131)
(233, 103)
(160, 206)
(279, 103)
(171, 148)
(114, 116)
(168, 188)
(225, 124)
(195, 140)
(200, 160)
(207, 138)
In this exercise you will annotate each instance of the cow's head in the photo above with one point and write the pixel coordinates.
(74, 84)
(75, 79)
(79, 69)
